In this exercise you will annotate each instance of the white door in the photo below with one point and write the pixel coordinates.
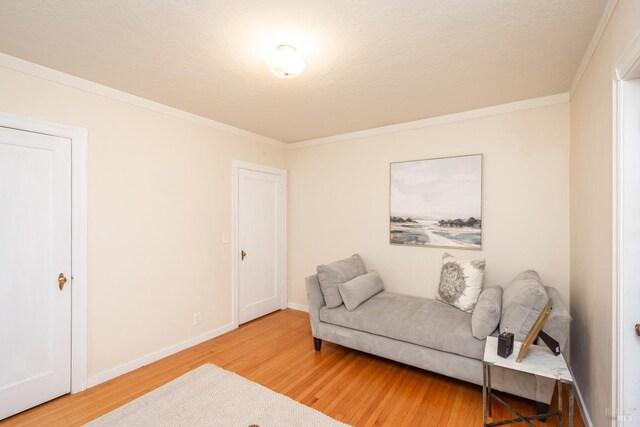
(35, 248)
(260, 243)
(630, 283)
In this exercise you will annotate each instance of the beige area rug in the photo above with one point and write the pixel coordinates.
(211, 396)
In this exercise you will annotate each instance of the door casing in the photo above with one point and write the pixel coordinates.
(236, 165)
(627, 68)
(78, 138)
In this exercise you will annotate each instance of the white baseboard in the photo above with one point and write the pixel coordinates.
(150, 358)
(299, 307)
(583, 409)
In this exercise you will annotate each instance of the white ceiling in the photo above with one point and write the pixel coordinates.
(369, 63)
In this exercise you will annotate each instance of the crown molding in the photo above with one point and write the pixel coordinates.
(26, 67)
(628, 67)
(526, 104)
(39, 71)
(595, 40)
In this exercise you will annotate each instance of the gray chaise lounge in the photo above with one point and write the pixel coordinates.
(427, 334)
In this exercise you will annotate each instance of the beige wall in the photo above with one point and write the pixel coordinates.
(591, 214)
(339, 201)
(159, 196)
(159, 199)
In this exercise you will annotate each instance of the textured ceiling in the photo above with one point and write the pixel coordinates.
(369, 63)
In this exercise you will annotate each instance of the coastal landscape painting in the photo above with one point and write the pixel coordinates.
(437, 202)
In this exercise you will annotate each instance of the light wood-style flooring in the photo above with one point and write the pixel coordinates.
(277, 352)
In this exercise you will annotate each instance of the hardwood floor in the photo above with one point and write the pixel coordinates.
(277, 352)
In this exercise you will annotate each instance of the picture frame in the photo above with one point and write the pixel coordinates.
(436, 202)
(533, 333)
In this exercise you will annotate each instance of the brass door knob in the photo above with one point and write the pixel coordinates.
(61, 281)
(638, 329)
(242, 255)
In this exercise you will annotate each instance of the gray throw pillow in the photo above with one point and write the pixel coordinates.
(358, 290)
(330, 276)
(486, 315)
(522, 301)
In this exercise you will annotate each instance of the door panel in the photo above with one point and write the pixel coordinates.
(630, 341)
(260, 228)
(35, 247)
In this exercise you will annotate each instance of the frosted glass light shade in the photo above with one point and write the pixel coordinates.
(285, 62)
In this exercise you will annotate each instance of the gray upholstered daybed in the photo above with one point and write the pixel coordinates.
(432, 335)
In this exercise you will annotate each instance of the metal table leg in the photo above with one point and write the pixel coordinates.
(484, 394)
(489, 410)
(571, 397)
(560, 402)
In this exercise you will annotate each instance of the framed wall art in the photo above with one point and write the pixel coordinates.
(437, 202)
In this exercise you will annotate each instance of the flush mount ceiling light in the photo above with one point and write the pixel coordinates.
(285, 62)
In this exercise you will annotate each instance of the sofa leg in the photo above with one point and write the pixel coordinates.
(317, 343)
(542, 408)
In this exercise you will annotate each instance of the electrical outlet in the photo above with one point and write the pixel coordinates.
(197, 318)
(225, 237)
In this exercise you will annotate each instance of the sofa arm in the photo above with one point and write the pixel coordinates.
(558, 324)
(316, 302)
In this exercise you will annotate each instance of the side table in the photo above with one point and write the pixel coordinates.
(539, 361)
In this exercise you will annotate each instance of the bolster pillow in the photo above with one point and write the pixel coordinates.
(358, 290)
(486, 315)
(330, 276)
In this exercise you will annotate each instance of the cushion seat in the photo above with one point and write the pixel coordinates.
(421, 321)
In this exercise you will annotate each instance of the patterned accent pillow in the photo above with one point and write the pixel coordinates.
(461, 282)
